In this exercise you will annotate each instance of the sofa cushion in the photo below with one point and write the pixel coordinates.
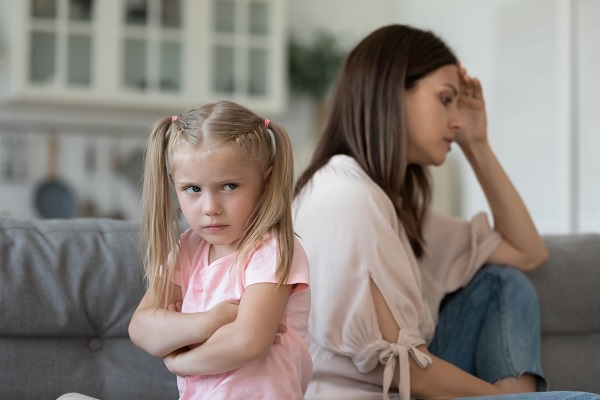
(69, 288)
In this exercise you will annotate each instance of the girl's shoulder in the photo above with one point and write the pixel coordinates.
(191, 242)
(268, 249)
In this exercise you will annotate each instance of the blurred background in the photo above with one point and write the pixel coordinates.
(82, 81)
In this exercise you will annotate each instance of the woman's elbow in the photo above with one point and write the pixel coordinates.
(534, 260)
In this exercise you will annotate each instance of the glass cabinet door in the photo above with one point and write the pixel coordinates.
(241, 62)
(152, 45)
(61, 42)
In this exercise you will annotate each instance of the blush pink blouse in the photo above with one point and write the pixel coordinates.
(351, 234)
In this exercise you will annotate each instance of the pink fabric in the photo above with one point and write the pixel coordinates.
(351, 234)
(284, 372)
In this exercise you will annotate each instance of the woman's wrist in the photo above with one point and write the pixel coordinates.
(476, 152)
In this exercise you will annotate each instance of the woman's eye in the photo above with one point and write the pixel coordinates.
(230, 186)
(192, 189)
(446, 100)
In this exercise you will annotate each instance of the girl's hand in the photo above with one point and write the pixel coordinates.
(175, 307)
(170, 360)
(224, 313)
(472, 108)
(281, 329)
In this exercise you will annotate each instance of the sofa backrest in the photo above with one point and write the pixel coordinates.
(68, 290)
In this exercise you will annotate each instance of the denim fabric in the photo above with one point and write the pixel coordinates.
(491, 327)
(540, 396)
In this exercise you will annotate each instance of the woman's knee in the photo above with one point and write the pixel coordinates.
(514, 284)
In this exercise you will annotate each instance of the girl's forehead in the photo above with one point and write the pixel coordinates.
(230, 153)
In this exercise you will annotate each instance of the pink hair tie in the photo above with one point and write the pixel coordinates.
(174, 118)
(267, 123)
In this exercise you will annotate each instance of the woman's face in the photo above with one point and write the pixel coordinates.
(432, 116)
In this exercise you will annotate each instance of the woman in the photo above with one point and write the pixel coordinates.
(382, 261)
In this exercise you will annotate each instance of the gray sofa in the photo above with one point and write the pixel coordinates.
(69, 287)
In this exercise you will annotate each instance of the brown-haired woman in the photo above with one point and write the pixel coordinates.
(382, 261)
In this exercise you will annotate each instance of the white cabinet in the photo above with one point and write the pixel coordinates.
(143, 54)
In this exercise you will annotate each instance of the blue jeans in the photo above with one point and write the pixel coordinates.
(491, 327)
(540, 396)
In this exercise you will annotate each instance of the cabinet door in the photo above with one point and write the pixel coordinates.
(61, 42)
(246, 49)
(152, 45)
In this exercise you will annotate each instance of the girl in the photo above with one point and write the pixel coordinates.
(238, 272)
(362, 208)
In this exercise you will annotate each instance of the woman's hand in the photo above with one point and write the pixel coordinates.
(472, 108)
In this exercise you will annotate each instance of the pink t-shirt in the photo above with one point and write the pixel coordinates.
(284, 372)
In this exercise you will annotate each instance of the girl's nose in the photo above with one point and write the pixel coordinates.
(211, 205)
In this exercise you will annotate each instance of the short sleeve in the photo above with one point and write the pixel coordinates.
(351, 235)
(262, 266)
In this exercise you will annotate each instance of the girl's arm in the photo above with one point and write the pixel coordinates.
(441, 380)
(244, 340)
(521, 246)
(159, 331)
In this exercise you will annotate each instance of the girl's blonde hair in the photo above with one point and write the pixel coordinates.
(222, 125)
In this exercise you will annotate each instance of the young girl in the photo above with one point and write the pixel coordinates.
(218, 294)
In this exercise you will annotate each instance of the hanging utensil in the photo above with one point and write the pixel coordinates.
(53, 198)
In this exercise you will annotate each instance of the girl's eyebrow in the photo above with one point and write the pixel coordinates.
(231, 179)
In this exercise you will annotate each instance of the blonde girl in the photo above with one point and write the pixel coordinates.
(228, 299)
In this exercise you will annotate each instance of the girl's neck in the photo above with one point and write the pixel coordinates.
(217, 252)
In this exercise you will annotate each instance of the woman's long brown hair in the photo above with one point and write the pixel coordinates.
(366, 118)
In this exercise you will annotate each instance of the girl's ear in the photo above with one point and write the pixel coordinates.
(267, 176)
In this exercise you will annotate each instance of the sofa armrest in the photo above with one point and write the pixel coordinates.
(568, 284)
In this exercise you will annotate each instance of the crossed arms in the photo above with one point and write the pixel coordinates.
(226, 337)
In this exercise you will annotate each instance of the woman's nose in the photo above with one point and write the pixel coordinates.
(456, 120)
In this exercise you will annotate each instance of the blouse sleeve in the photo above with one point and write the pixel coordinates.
(350, 233)
(455, 250)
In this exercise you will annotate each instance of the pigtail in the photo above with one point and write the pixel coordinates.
(160, 230)
(278, 198)
(274, 210)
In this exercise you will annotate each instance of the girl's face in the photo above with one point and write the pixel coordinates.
(218, 193)
(432, 116)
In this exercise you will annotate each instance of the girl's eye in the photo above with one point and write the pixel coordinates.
(445, 100)
(192, 189)
(230, 186)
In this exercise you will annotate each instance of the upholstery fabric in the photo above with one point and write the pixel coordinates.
(69, 288)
